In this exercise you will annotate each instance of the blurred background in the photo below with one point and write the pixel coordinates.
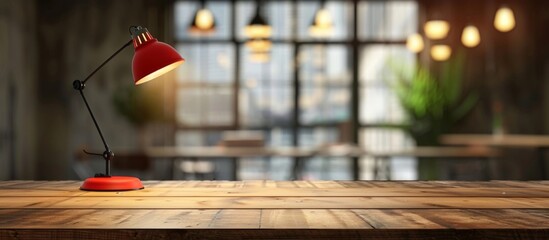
(358, 89)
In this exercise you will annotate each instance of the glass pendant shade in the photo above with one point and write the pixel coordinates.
(504, 20)
(470, 36)
(258, 27)
(259, 45)
(414, 43)
(203, 22)
(441, 52)
(322, 25)
(436, 29)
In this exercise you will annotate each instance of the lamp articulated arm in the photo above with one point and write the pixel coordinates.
(151, 59)
(78, 85)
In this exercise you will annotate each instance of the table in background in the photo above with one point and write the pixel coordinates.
(277, 209)
(299, 154)
(538, 142)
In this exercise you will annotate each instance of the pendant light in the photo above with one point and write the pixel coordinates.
(203, 20)
(470, 37)
(414, 43)
(441, 52)
(504, 20)
(322, 25)
(259, 32)
(436, 29)
(259, 45)
(258, 27)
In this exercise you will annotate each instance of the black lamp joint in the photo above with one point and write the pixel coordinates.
(78, 85)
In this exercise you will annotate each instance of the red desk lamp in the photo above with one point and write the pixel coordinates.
(151, 60)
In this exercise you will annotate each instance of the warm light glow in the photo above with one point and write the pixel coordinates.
(259, 57)
(259, 45)
(322, 25)
(437, 29)
(414, 43)
(204, 19)
(470, 36)
(504, 20)
(441, 52)
(159, 72)
(258, 31)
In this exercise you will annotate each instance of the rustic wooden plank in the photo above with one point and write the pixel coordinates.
(174, 218)
(463, 219)
(184, 234)
(395, 219)
(232, 218)
(305, 192)
(455, 218)
(105, 218)
(225, 184)
(286, 184)
(70, 185)
(529, 184)
(274, 218)
(350, 184)
(254, 183)
(304, 184)
(40, 184)
(270, 184)
(272, 202)
(517, 218)
(311, 219)
(326, 184)
(207, 184)
(40, 192)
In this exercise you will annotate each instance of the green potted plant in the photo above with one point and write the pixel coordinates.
(432, 105)
(140, 106)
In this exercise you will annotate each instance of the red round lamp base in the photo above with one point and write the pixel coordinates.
(112, 183)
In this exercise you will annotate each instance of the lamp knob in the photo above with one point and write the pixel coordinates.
(78, 85)
(108, 155)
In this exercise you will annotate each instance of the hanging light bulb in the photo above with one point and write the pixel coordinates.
(203, 21)
(470, 36)
(414, 43)
(504, 20)
(441, 52)
(259, 45)
(322, 25)
(436, 29)
(258, 27)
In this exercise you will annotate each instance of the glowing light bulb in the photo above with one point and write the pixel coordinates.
(204, 19)
(258, 31)
(436, 29)
(504, 20)
(470, 37)
(441, 52)
(259, 45)
(322, 25)
(414, 43)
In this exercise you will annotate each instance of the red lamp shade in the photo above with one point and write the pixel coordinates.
(152, 58)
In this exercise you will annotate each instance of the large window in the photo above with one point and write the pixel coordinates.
(304, 94)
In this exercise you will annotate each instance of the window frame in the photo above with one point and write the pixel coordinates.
(354, 43)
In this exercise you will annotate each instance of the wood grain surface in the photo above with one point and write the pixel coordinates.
(277, 210)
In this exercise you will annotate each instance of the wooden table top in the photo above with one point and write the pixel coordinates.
(277, 209)
(304, 152)
(504, 140)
